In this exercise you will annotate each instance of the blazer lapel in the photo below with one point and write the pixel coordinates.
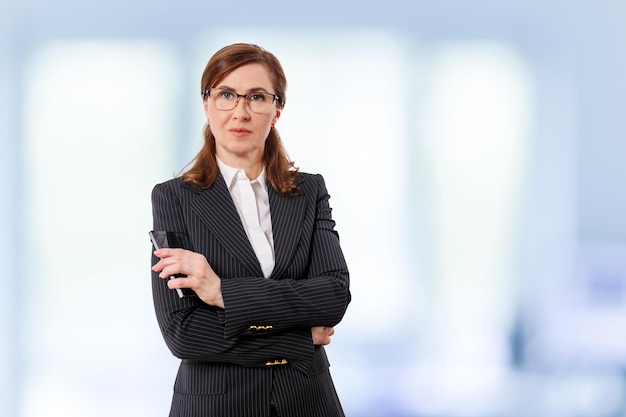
(287, 216)
(215, 207)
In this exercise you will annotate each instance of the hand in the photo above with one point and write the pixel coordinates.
(321, 334)
(200, 276)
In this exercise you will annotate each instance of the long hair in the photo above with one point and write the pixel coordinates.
(280, 170)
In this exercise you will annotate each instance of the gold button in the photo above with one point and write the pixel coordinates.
(260, 327)
(276, 362)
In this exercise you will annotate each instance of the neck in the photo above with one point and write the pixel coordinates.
(252, 167)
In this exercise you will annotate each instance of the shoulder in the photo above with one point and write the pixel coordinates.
(172, 183)
(174, 188)
(175, 185)
(166, 187)
(309, 179)
(311, 184)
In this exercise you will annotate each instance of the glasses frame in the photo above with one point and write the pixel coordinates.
(246, 97)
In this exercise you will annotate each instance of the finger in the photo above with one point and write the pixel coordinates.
(161, 265)
(168, 252)
(172, 270)
(161, 253)
(157, 267)
(175, 283)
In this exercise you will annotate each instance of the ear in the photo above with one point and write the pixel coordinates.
(276, 117)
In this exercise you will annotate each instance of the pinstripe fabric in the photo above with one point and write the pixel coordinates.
(258, 350)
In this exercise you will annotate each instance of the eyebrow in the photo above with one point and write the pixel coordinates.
(250, 90)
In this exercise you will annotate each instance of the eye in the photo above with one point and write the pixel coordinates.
(226, 95)
(260, 97)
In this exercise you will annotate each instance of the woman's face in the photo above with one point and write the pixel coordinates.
(240, 134)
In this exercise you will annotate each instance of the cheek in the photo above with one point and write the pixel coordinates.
(267, 121)
(214, 117)
(267, 127)
(209, 113)
(215, 121)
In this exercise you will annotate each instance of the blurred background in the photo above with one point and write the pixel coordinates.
(474, 150)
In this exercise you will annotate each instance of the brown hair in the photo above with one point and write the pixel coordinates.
(280, 170)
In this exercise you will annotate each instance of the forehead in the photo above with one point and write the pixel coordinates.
(248, 77)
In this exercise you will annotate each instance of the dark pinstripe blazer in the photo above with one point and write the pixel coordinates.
(258, 350)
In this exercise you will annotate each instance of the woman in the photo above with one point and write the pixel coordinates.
(264, 260)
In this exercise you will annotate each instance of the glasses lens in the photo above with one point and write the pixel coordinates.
(260, 102)
(223, 99)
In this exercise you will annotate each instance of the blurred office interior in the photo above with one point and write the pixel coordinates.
(475, 153)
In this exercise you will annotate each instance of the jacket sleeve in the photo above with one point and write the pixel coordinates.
(193, 330)
(317, 297)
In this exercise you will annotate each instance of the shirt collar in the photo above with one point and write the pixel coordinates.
(231, 175)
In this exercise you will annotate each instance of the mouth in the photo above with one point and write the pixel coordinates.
(239, 132)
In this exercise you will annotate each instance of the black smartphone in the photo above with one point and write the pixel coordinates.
(162, 239)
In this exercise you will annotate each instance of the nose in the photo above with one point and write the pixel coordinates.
(241, 110)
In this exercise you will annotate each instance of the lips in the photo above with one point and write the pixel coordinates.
(239, 132)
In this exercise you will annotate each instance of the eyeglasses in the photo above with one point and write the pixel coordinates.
(258, 102)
